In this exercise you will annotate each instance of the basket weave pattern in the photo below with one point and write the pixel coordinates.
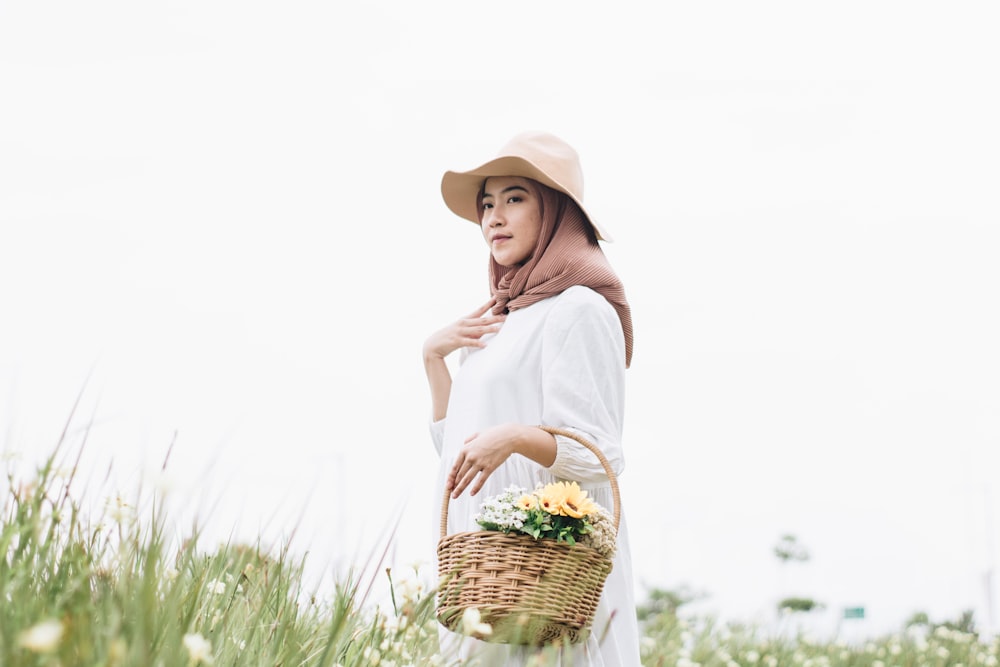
(531, 591)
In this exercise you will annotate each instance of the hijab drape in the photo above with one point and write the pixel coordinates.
(567, 254)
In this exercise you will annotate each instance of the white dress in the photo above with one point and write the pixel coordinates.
(559, 362)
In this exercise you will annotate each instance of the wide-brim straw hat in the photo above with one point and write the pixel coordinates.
(536, 155)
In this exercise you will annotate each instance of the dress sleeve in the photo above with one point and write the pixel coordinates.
(437, 434)
(583, 385)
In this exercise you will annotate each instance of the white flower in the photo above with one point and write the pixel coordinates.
(119, 510)
(752, 656)
(472, 625)
(410, 589)
(172, 574)
(199, 648)
(217, 587)
(41, 638)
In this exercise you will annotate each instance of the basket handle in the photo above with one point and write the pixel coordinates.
(583, 441)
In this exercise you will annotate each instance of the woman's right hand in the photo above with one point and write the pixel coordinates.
(465, 332)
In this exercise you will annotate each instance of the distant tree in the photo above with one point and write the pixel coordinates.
(661, 600)
(918, 618)
(799, 605)
(965, 623)
(788, 549)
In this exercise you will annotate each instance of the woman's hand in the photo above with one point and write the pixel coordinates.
(465, 332)
(485, 451)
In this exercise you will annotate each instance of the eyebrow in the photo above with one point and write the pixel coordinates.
(505, 190)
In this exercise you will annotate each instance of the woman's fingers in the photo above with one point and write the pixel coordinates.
(479, 312)
(466, 332)
(462, 473)
(467, 466)
(466, 477)
(483, 453)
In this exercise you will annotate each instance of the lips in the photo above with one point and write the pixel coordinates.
(499, 238)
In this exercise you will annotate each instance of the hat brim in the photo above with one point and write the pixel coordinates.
(460, 189)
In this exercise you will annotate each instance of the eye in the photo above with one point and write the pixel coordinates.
(515, 199)
(487, 205)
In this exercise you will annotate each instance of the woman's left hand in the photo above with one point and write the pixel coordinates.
(483, 453)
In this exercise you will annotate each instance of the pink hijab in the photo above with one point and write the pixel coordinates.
(567, 254)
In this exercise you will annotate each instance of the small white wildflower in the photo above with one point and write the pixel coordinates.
(990, 661)
(752, 656)
(942, 652)
(119, 510)
(43, 637)
(216, 587)
(472, 625)
(172, 574)
(199, 648)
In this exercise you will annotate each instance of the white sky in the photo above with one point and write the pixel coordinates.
(230, 212)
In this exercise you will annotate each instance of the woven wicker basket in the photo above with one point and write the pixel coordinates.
(530, 591)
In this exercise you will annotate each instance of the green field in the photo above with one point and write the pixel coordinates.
(114, 590)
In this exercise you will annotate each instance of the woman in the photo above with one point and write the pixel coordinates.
(549, 348)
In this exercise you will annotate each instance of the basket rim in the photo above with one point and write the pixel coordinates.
(612, 478)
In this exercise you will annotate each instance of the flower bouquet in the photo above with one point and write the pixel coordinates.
(535, 573)
(560, 511)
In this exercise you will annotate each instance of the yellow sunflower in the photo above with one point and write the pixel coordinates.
(527, 502)
(575, 502)
(550, 497)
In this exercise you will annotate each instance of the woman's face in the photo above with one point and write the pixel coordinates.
(512, 219)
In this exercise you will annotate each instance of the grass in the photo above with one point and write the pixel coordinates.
(113, 591)
(672, 641)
